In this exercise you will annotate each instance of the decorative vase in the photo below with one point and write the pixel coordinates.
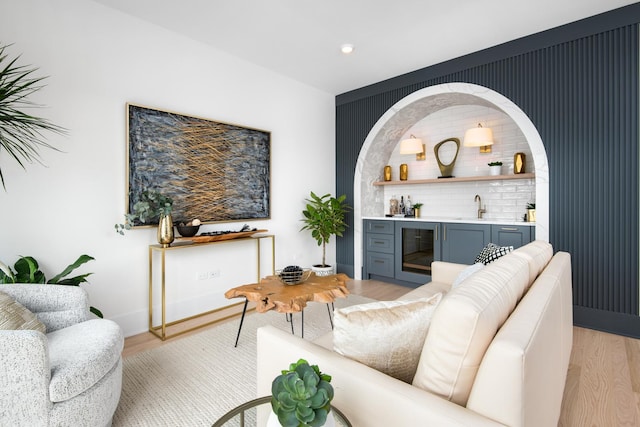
(272, 421)
(531, 215)
(165, 230)
(416, 212)
(495, 170)
(519, 163)
(404, 172)
(387, 173)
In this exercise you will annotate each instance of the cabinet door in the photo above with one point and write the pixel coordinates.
(511, 235)
(378, 226)
(379, 264)
(417, 246)
(461, 243)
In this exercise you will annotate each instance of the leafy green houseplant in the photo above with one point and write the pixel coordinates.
(151, 206)
(301, 396)
(27, 270)
(20, 132)
(324, 216)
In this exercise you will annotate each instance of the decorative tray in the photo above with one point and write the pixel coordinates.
(222, 235)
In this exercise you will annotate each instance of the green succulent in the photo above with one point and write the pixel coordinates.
(301, 396)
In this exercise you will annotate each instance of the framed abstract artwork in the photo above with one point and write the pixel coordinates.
(213, 171)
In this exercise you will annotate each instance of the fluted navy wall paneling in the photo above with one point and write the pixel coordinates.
(582, 96)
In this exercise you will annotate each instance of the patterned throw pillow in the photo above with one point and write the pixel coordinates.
(14, 316)
(492, 252)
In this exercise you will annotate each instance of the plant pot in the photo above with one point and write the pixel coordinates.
(416, 212)
(531, 215)
(165, 230)
(495, 170)
(273, 420)
(322, 270)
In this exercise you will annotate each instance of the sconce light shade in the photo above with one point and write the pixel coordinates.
(413, 145)
(479, 137)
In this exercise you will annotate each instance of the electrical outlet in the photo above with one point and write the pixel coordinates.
(214, 274)
(201, 275)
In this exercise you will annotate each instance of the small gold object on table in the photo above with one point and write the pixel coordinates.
(272, 294)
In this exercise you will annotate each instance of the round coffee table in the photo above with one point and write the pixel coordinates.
(247, 413)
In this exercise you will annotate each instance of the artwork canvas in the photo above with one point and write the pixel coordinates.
(213, 171)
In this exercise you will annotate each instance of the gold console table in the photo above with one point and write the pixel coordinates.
(161, 330)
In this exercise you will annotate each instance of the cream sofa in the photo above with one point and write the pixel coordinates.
(496, 351)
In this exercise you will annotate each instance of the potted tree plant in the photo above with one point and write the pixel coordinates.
(324, 216)
(301, 396)
(151, 208)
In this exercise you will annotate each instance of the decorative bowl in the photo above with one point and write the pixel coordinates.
(188, 230)
(293, 277)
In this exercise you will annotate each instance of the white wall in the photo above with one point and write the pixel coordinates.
(98, 59)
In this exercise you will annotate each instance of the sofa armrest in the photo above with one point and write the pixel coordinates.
(57, 306)
(446, 272)
(24, 378)
(364, 395)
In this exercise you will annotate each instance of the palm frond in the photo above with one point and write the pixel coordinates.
(21, 134)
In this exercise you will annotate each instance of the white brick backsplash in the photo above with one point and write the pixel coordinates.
(504, 200)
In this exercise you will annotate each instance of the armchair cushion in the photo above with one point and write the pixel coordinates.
(15, 316)
(78, 364)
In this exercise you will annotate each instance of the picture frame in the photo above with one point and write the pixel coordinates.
(213, 171)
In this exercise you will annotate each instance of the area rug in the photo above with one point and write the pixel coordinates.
(195, 380)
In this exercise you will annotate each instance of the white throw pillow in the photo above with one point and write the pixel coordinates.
(464, 274)
(14, 316)
(386, 335)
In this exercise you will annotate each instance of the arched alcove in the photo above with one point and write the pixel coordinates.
(385, 134)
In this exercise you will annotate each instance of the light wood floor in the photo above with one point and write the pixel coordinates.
(603, 382)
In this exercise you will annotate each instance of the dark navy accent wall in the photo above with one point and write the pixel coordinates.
(580, 89)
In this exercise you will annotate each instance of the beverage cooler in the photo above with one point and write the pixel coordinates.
(417, 246)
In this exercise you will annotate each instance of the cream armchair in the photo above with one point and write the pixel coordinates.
(70, 376)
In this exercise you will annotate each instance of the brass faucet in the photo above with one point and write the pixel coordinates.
(480, 209)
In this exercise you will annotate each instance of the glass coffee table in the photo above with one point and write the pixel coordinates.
(245, 415)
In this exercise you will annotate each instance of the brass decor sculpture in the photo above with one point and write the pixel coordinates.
(446, 170)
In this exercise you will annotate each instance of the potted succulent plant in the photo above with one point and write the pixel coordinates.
(151, 208)
(495, 168)
(531, 212)
(416, 209)
(324, 216)
(301, 396)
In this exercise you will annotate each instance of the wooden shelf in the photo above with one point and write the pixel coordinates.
(460, 179)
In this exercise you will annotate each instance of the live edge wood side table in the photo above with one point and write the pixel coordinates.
(271, 294)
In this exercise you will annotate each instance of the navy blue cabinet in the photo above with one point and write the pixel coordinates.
(512, 235)
(461, 243)
(401, 251)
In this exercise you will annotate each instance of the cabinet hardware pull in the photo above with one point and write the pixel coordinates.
(444, 233)
(437, 226)
(509, 228)
(378, 261)
(379, 242)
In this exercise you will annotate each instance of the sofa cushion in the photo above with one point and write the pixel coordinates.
(464, 325)
(466, 273)
(538, 254)
(80, 355)
(385, 335)
(14, 316)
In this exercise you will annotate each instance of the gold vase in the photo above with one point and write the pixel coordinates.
(387, 173)
(404, 172)
(519, 163)
(165, 230)
(416, 212)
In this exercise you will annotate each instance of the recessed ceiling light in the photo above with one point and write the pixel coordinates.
(346, 48)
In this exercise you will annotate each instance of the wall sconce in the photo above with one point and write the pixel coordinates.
(479, 137)
(413, 145)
